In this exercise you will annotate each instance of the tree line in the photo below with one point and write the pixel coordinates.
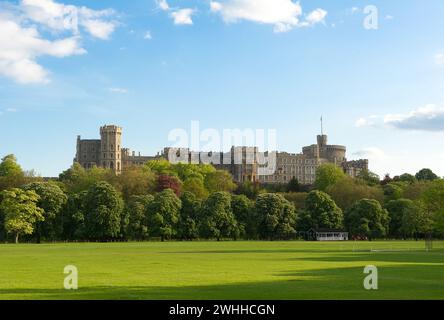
(166, 201)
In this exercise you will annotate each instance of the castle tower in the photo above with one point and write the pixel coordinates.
(111, 151)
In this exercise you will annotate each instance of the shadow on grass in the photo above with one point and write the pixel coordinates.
(418, 257)
(395, 282)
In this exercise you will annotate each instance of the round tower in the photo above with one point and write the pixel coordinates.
(111, 148)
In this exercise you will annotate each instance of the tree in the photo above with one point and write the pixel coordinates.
(323, 211)
(163, 214)
(415, 221)
(297, 199)
(219, 181)
(173, 183)
(432, 200)
(21, 211)
(188, 227)
(276, 217)
(397, 209)
(73, 217)
(196, 186)
(243, 210)
(414, 191)
(426, 174)
(347, 191)
(136, 208)
(370, 178)
(406, 177)
(11, 174)
(137, 181)
(217, 218)
(327, 175)
(103, 208)
(51, 199)
(293, 185)
(161, 167)
(249, 189)
(392, 191)
(78, 179)
(366, 218)
(190, 170)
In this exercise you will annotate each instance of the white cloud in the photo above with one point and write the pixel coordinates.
(147, 35)
(439, 58)
(284, 15)
(371, 153)
(20, 46)
(182, 16)
(118, 90)
(427, 118)
(163, 4)
(316, 16)
(61, 17)
(22, 43)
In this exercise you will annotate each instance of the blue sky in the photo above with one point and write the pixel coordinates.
(151, 68)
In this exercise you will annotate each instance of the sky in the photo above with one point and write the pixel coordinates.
(373, 70)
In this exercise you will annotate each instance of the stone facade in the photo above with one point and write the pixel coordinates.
(244, 163)
(303, 166)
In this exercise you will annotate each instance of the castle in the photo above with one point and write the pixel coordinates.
(244, 163)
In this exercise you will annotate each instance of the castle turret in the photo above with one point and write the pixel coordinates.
(111, 151)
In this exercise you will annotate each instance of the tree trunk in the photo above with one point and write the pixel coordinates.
(16, 238)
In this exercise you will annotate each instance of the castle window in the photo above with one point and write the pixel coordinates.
(111, 164)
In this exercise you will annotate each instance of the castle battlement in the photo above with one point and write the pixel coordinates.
(107, 152)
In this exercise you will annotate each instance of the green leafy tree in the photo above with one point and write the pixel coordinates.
(103, 208)
(78, 179)
(276, 217)
(297, 199)
(136, 208)
(392, 191)
(21, 211)
(73, 217)
(188, 227)
(415, 190)
(370, 178)
(293, 185)
(163, 214)
(196, 186)
(161, 167)
(415, 221)
(219, 181)
(137, 181)
(406, 177)
(249, 189)
(367, 218)
(11, 174)
(323, 211)
(426, 174)
(217, 218)
(397, 209)
(432, 200)
(243, 210)
(52, 200)
(190, 170)
(327, 175)
(347, 191)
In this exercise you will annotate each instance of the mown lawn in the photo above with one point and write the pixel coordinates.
(224, 270)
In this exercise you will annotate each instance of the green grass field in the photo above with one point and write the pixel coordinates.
(225, 270)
